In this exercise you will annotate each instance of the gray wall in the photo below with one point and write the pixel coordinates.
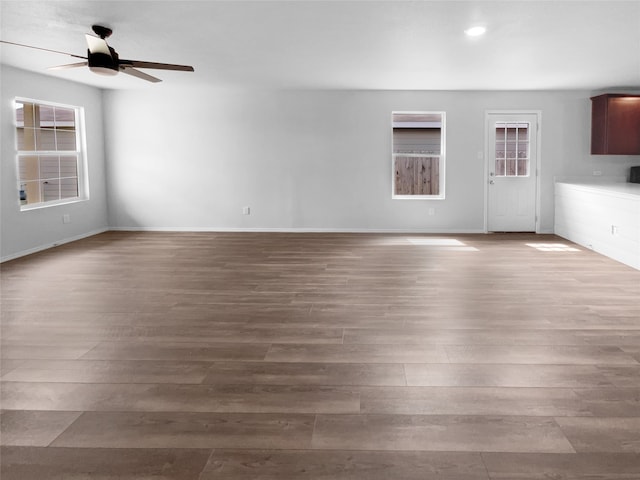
(33, 230)
(301, 160)
(316, 160)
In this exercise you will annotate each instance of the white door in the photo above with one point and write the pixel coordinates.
(512, 172)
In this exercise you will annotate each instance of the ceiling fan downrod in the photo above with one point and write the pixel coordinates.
(102, 32)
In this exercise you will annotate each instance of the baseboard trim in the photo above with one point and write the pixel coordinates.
(297, 230)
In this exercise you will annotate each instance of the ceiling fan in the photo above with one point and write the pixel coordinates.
(104, 60)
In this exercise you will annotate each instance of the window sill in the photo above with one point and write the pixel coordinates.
(417, 197)
(38, 206)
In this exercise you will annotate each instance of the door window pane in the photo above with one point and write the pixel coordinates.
(512, 149)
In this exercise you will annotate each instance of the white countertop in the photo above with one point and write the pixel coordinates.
(625, 189)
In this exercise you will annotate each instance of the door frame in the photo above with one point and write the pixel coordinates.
(487, 117)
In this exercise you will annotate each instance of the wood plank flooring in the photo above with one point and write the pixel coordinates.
(319, 356)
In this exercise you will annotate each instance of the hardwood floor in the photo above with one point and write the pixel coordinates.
(320, 356)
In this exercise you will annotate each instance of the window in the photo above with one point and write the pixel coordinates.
(50, 157)
(512, 149)
(418, 154)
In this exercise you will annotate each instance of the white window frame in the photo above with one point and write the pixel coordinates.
(441, 163)
(80, 152)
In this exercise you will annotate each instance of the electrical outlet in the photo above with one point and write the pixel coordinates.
(246, 211)
(432, 211)
(66, 218)
(614, 230)
(597, 173)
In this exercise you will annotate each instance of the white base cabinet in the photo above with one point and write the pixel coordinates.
(602, 217)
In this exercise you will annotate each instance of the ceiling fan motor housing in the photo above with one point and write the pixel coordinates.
(102, 63)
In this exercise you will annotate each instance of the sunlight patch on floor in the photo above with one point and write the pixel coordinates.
(553, 247)
(444, 243)
(439, 242)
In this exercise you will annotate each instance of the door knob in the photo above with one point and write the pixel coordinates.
(491, 182)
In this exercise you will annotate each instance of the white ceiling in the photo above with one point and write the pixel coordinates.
(341, 44)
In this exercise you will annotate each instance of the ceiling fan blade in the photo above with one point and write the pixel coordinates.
(40, 48)
(159, 66)
(70, 65)
(137, 73)
(97, 45)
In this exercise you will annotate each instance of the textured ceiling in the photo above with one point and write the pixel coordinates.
(341, 44)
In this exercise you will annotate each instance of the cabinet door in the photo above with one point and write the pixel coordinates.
(615, 124)
(599, 125)
(623, 126)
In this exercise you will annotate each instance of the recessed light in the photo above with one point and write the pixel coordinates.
(475, 31)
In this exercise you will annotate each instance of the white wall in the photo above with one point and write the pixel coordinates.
(33, 230)
(315, 159)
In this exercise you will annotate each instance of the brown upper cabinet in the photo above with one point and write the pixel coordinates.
(615, 124)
